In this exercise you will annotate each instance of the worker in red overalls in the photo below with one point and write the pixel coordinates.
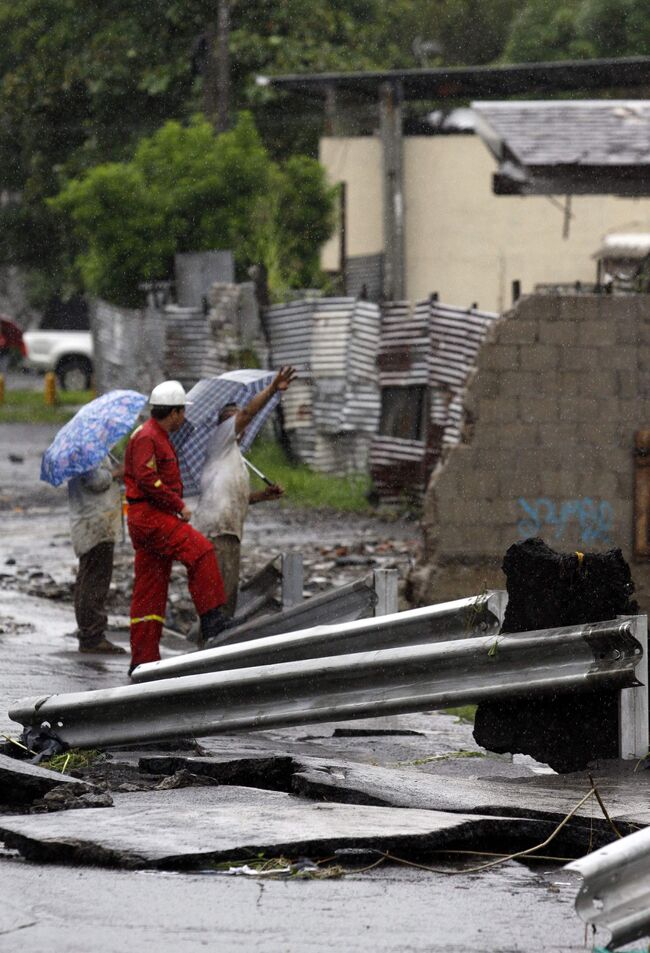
(159, 527)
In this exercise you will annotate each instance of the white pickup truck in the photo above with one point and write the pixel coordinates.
(68, 353)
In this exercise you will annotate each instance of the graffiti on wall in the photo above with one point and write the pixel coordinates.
(593, 519)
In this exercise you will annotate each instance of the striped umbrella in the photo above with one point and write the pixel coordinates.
(208, 398)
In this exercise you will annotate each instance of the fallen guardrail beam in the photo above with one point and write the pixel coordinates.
(372, 595)
(367, 684)
(463, 618)
(616, 889)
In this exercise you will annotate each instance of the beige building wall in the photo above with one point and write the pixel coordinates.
(357, 162)
(461, 240)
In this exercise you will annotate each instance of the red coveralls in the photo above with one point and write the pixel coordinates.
(154, 491)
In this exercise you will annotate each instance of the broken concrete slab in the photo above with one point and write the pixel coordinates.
(189, 828)
(21, 782)
(550, 797)
(544, 797)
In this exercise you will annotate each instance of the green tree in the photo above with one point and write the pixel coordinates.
(545, 30)
(186, 189)
(615, 27)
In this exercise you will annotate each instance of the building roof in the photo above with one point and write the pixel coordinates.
(486, 81)
(568, 147)
(627, 245)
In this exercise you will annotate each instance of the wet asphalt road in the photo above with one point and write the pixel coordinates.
(67, 909)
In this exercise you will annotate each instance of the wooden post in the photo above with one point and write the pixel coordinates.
(291, 580)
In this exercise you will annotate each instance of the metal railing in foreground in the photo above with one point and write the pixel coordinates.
(367, 684)
(461, 619)
(616, 889)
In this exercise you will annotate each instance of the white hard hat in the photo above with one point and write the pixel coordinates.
(168, 394)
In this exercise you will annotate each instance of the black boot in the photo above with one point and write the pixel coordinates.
(213, 623)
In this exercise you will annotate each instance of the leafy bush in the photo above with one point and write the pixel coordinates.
(187, 189)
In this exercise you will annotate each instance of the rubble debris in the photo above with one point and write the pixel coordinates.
(270, 772)
(184, 779)
(21, 783)
(186, 829)
(70, 797)
(547, 589)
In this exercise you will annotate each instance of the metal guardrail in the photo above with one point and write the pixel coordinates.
(367, 684)
(616, 889)
(463, 618)
(375, 594)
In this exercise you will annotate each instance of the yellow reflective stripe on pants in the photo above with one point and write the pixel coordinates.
(148, 618)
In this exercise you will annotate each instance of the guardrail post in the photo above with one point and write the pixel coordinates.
(633, 730)
(291, 580)
(386, 591)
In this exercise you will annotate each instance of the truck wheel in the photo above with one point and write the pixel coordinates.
(74, 373)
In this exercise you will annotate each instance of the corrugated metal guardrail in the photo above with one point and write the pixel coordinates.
(463, 618)
(616, 889)
(356, 600)
(361, 685)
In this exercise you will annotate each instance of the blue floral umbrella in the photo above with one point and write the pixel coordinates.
(86, 439)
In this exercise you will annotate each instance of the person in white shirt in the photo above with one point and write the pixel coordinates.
(225, 486)
(95, 518)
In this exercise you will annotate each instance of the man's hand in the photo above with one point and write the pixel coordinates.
(272, 492)
(118, 471)
(283, 378)
(185, 514)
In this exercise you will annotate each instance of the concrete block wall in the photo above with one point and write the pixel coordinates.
(559, 391)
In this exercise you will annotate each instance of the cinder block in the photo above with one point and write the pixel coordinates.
(622, 357)
(569, 383)
(495, 410)
(500, 357)
(579, 308)
(537, 409)
(540, 357)
(516, 331)
(628, 331)
(562, 484)
(513, 484)
(601, 384)
(559, 332)
(519, 383)
(556, 434)
(600, 485)
(578, 358)
(627, 383)
(516, 435)
(487, 383)
(483, 484)
(578, 409)
(597, 333)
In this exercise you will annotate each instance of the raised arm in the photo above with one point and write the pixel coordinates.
(280, 382)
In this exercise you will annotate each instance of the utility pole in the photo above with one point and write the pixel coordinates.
(223, 66)
(216, 70)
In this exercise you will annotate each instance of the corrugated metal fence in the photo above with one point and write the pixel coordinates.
(332, 410)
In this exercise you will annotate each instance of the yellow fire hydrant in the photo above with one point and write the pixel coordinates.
(50, 389)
